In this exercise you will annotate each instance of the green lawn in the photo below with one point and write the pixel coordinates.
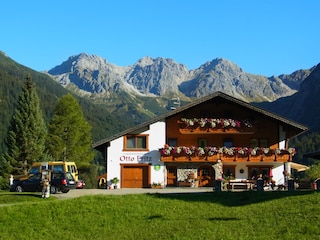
(225, 215)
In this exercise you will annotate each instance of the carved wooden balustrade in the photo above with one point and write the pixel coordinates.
(284, 157)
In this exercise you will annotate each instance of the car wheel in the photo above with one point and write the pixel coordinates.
(53, 190)
(65, 191)
(19, 189)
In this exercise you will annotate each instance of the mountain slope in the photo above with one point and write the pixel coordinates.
(12, 77)
(302, 106)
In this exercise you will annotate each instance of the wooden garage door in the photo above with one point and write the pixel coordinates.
(171, 176)
(134, 176)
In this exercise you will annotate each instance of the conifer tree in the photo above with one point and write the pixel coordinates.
(69, 137)
(27, 131)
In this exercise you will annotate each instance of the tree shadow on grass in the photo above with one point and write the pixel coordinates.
(12, 198)
(232, 198)
(161, 217)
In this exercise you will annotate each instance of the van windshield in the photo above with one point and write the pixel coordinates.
(57, 168)
(34, 170)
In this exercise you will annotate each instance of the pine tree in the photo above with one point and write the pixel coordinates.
(27, 131)
(69, 137)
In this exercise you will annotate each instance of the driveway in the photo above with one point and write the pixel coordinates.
(85, 192)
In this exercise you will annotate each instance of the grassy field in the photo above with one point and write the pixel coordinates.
(225, 215)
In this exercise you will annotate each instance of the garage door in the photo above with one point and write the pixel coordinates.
(134, 176)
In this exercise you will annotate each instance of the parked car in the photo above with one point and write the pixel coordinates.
(59, 182)
(80, 184)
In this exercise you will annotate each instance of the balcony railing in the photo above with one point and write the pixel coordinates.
(212, 154)
(226, 158)
(214, 126)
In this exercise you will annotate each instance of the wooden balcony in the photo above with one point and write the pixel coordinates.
(226, 158)
(184, 129)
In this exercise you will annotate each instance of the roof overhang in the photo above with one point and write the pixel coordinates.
(298, 167)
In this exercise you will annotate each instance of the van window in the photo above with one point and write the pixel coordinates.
(69, 176)
(72, 168)
(57, 168)
(34, 170)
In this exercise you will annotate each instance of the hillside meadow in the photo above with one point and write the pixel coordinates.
(212, 215)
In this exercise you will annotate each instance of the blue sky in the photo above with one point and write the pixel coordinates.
(262, 37)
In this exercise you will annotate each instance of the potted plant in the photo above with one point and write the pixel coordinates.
(156, 185)
(115, 181)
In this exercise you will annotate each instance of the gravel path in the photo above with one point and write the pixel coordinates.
(82, 192)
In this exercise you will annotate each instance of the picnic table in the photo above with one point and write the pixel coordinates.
(242, 184)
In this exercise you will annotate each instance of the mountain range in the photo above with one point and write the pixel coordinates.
(116, 97)
(93, 76)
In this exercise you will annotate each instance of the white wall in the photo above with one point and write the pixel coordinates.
(278, 174)
(116, 156)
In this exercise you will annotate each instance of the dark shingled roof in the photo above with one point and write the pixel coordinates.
(145, 125)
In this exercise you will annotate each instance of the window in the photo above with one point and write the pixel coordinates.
(262, 142)
(56, 168)
(255, 171)
(202, 142)
(136, 142)
(72, 169)
(254, 143)
(204, 172)
(172, 142)
(34, 170)
(227, 142)
(229, 172)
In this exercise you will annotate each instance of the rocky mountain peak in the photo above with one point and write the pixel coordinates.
(221, 65)
(80, 61)
(145, 61)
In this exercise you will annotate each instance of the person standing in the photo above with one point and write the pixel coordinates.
(45, 186)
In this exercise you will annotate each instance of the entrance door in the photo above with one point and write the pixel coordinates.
(171, 176)
(134, 176)
(206, 176)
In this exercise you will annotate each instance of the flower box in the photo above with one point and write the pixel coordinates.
(181, 158)
(200, 130)
(214, 125)
(228, 158)
(213, 158)
(269, 158)
(255, 158)
(232, 154)
(283, 157)
(166, 158)
(199, 158)
(242, 158)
